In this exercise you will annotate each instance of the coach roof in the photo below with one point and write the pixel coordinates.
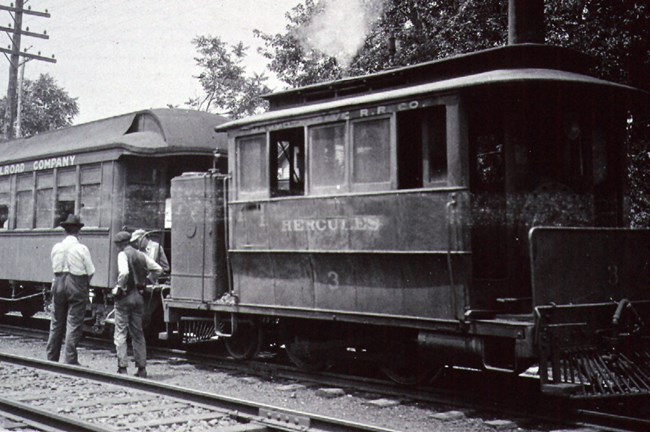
(159, 132)
(490, 78)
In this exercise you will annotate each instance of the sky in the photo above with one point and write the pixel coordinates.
(119, 56)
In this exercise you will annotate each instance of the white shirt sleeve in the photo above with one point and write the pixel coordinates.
(122, 269)
(88, 262)
(152, 265)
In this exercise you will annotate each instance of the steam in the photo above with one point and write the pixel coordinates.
(340, 28)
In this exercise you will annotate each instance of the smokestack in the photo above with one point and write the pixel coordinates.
(525, 21)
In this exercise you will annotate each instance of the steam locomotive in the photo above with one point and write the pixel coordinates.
(467, 211)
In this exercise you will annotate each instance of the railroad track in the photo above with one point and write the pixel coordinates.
(82, 399)
(512, 399)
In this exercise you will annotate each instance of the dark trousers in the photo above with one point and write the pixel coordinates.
(69, 300)
(128, 321)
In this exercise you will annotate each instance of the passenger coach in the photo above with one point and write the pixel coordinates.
(114, 172)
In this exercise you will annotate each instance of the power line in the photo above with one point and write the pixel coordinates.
(16, 31)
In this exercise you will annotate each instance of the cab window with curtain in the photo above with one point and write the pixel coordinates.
(371, 151)
(327, 158)
(252, 165)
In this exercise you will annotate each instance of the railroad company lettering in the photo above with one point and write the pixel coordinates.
(385, 109)
(58, 162)
(356, 223)
(41, 164)
(12, 169)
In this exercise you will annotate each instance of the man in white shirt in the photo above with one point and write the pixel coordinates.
(73, 268)
(132, 267)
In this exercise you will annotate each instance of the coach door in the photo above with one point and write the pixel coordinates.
(489, 204)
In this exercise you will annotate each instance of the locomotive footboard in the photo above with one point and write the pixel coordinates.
(594, 350)
(592, 310)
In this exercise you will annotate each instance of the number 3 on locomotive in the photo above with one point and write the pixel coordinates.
(612, 269)
(333, 280)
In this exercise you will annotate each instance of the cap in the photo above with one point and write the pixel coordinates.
(138, 234)
(121, 236)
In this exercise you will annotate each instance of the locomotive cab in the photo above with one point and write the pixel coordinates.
(539, 155)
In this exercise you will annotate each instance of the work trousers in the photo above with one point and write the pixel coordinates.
(128, 320)
(69, 301)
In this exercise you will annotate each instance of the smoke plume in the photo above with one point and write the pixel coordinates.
(340, 28)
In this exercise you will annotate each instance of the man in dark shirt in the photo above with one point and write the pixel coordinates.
(133, 267)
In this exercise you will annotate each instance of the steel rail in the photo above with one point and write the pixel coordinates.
(274, 418)
(600, 419)
(51, 419)
(561, 412)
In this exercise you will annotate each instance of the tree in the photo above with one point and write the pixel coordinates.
(617, 34)
(423, 29)
(224, 81)
(45, 106)
(404, 32)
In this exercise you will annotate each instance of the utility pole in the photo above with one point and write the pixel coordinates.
(13, 54)
(19, 102)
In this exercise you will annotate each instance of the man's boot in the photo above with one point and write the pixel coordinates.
(141, 373)
(121, 370)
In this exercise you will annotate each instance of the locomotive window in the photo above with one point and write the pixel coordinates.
(252, 166)
(287, 162)
(327, 157)
(422, 147)
(371, 151)
(599, 151)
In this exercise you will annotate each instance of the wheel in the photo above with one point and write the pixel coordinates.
(245, 344)
(404, 364)
(301, 352)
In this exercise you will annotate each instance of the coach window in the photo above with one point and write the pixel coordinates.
(4, 215)
(44, 199)
(5, 200)
(422, 147)
(90, 180)
(327, 158)
(66, 195)
(287, 157)
(252, 169)
(24, 200)
(371, 154)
